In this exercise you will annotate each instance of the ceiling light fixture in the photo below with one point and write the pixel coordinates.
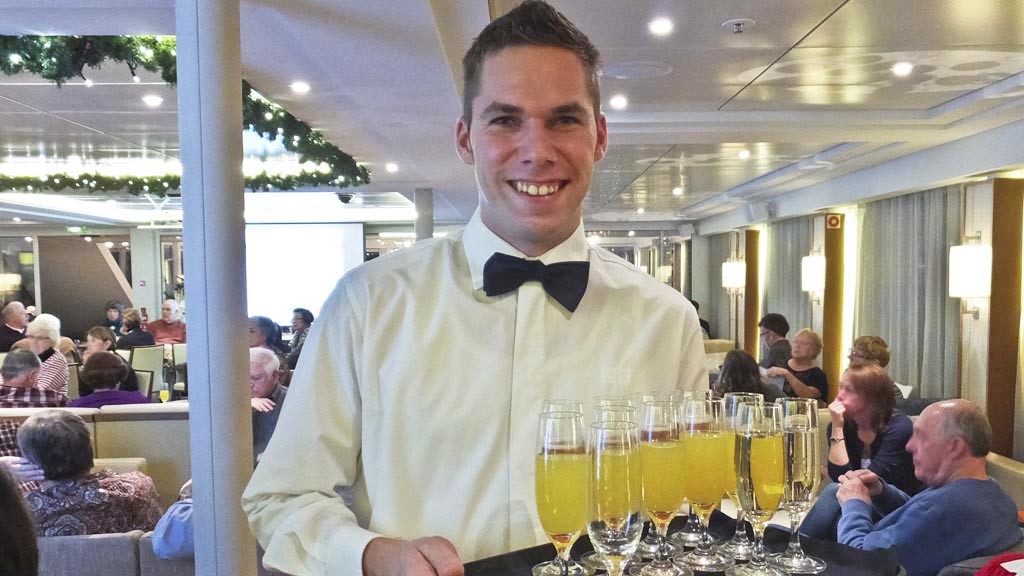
(357, 199)
(299, 87)
(16, 219)
(88, 83)
(744, 154)
(108, 244)
(618, 102)
(136, 79)
(28, 238)
(677, 191)
(640, 210)
(152, 100)
(391, 167)
(902, 69)
(660, 26)
(631, 233)
(87, 238)
(125, 244)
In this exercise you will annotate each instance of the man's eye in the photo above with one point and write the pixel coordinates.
(503, 121)
(568, 120)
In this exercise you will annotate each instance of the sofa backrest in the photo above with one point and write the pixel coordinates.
(19, 415)
(98, 555)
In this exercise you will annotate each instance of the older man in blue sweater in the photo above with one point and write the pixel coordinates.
(962, 514)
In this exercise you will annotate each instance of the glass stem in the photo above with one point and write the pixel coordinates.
(661, 535)
(794, 550)
(740, 536)
(705, 538)
(757, 557)
(563, 560)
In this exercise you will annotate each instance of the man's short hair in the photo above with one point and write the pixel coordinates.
(776, 323)
(175, 307)
(532, 23)
(966, 421)
(307, 316)
(58, 442)
(266, 358)
(18, 362)
(12, 308)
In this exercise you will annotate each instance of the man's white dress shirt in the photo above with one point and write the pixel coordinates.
(423, 394)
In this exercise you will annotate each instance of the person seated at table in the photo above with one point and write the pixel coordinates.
(267, 396)
(872, 350)
(265, 333)
(73, 500)
(302, 320)
(15, 321)
(173, 536)
(803, 378)
(103, 374)
(169, 329)
(41, 337)
(114, 309)
(740, 373)
(19, 552)
(962, 514)
(134, 335)
(18, 389)
(775, 349)
(99, 339)
(866, 432)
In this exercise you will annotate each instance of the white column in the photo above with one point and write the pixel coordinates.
(423, 198)
(210, 126)
(147, 276)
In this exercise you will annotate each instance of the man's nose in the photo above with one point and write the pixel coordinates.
(535, 143)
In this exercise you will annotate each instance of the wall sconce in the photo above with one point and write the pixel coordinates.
(812, 276)
(734, 276)
(970, 272)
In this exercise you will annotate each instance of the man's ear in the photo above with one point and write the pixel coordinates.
(602, 138)
(462, 144)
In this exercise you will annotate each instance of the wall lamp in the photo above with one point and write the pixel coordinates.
(734, 276)
(970, 272)
(812, 276)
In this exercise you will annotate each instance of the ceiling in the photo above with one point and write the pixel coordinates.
(715, 119)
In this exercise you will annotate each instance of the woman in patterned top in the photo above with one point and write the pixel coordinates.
(43, 335)
(73, 500)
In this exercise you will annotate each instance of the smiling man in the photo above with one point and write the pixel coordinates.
(425, 374)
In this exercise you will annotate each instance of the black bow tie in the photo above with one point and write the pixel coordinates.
(564, 281)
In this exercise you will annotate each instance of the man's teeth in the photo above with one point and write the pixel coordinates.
(534, 190)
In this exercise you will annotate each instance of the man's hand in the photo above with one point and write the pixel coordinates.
(420, 557)
(262, 404)
(22, 469)
(871, 481)
(852, 489)
(777, 371)
(838, 413)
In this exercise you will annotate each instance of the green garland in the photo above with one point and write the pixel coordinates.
(61, 58)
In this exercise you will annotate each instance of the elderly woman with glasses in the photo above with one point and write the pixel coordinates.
(72, 499)
(42, 337)
(802, 378)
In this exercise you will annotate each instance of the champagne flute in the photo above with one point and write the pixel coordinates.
(661, 463)
(704, 449)
(740, 547)
(561, 478)
(760, 477)
(803, 479)
(613, 521)
(651, 544)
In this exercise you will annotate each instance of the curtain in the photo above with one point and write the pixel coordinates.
(719, 250)
(788, 242)
(901, 287)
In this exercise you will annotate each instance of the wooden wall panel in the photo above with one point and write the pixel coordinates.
(832, 307)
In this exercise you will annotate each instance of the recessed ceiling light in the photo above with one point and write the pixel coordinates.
(902, 68)
(357, 199)
(177, 237)
(108, 244)
(639, 210)
(677, 191)
(660, 26)
(631, 233)
(152, 100)
(299, 87)
(28, 238)
(744, 154)
(618, 102)
(125, 244)
(136, 79)
(16, 219)
(88, 83)
(391, 167)
(88, 238)
(593, 240)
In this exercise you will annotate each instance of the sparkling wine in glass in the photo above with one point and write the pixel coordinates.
(704, 447)
(662, 472)
(740, 547)
(760, 477)
(803, 480)
(561, 480)
(613, 520)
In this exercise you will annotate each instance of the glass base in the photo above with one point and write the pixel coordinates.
(553, 569)
(739, 550)
(706, 561)
(649, 569)
(748, 570)
(689, 539)
(592, 562)
(798, 564)
(648, 550)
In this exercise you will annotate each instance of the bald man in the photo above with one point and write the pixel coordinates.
(962, 514)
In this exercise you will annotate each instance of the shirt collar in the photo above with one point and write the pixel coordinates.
(480, 243)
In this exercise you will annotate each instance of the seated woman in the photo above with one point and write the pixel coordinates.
(102, 339)
(740, 373)
(19, 553)
(42, 336)
(866, 432)
(803, 378)
(72, 500)
(134, 335)
(104, 373)
(265, 333)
